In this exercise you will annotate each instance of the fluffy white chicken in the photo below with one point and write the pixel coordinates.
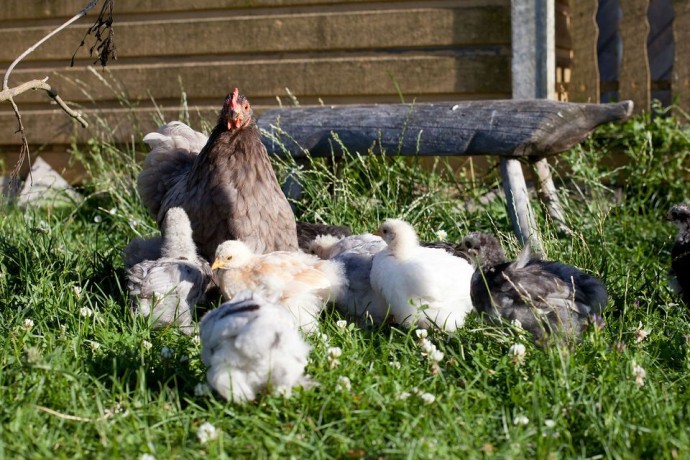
(356, 253)
(302, 282)
(250, 346)
(422, 286)
(167, 288)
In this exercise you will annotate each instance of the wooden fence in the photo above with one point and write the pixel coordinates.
(189, 53)
(323, 51)
(630, 49)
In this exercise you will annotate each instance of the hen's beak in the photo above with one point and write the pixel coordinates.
(235, 120)
(216, 264)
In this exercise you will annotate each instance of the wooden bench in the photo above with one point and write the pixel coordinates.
(515, 130)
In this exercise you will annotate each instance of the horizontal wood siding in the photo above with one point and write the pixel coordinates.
(322, 51)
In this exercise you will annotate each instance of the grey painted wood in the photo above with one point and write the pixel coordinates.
(517, 201)
(533, 49)
(510, 128)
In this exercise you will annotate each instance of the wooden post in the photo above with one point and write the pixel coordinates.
(534, 49)
(547, 192)
(681, 63)
(519, 209)
(584, 79)
(634, 77)
(534, 77)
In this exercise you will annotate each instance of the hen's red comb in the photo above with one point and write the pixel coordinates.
(233, 101)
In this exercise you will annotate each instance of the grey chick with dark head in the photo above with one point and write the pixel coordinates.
(546, 297)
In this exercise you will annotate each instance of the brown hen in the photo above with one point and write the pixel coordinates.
(227, 187)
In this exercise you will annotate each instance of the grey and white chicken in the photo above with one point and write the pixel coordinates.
(167, 289)
(546, 297)
(680, 252)
(301, 282)
(250, 346)
(422, 286)
(356, 254)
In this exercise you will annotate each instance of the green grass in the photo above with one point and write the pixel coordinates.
(80, 385)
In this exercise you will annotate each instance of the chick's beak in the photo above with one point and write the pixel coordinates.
(378, 232)
(216, 264)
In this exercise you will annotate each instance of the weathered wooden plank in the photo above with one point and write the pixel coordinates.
(533, 61)
(414, 74)
(634, 79)
(512, 128)
(30, 9)
(547, 192)
(584, 80)
(681, 62)
(280, 33)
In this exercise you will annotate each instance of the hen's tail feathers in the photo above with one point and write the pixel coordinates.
(169, 161)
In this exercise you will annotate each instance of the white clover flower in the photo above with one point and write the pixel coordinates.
(207, 432)
(343, 384)
(86, 312)
(421, 333)
(428, 398)
(394, 364)
(333, 355)
(133, 223)
(516, 324)
(639, 373)
(166, 353)
(427, 346)
(323, 337)
(112, 211)
(334, 352)
(146, 345)
(641, 333)
(202, 389)
(404, 395)
(520, 420)
(98, 219)
(94, 345)
(342, 324)
(147, 457)
(436, 356)
(441, 234)
(549, 423)
(77, 291)
(28, 324)
(517, 351)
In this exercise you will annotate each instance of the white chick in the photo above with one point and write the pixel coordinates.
(250, 345)
(422, 286)
(299, 281)
(167, 289)
(356, 253)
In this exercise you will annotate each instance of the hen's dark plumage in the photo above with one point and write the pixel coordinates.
(544, 296)
(680, 252)
(227, 187)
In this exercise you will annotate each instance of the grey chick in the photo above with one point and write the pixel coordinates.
(167, 288)
(251, 346)
(356, 253)
(545, 297)
(680, 252)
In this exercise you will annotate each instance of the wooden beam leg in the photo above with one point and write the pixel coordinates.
(517, 199)
(547, 192)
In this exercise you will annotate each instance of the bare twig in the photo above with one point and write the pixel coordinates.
(8, 93)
